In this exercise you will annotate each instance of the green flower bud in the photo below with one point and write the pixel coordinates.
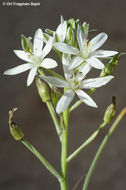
(42, 90)
(26, 44)
(55, 96)
(70, 37)
(72, 23)
(77, 22)
(15, 130)
(110, 66)
(110, 111)
(50, 32)
(84, 26)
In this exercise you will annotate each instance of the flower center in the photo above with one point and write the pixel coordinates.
(36, 60)
(85, 53)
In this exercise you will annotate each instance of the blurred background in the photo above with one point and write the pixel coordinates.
(19, 169)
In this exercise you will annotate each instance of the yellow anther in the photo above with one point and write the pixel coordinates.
(29, 56)
(90, 44)
(30, 51)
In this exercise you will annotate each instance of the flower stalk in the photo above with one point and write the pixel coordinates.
(54, 118)
(87, 142)
(48, 166)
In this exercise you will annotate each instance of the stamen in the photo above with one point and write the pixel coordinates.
(90, 44)
(29, 56)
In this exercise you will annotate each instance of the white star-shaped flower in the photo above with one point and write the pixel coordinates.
(74, 83)
(34, 59)
(88, 50)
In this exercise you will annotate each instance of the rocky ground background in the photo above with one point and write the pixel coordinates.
(19, 169)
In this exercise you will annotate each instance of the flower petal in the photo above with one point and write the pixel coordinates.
(96, 63)
(47, 47)
(66, 63)
(76, 62)
(103, 53)
(61, 31)
(23, 55)
(98, 41)
(31, 76)
(84, 69)
(85, 98)
(65, 101)
(54, 81)
(18, 69)
(62, 47)
(95, 82)
(81, 38)
(38, 42)
(48, 63)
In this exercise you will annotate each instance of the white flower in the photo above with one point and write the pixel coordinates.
(87, 51)
(35, 59)
(61, 30)
(74, 83)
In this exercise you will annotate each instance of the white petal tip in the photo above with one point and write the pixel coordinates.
(28, 83)
(102, 67)
(95, 106)
(5, 73)
(15, 51)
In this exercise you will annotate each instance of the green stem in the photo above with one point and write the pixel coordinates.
(42, 160)
(41, 72)
(64, 165)
(78, 103)
(88, 141)
(102, 146)
(51, 111)
(54, 118)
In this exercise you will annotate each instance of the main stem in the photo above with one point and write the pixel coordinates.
(64, 164)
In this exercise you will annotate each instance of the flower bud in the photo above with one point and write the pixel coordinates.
(50, 32)
(15, 130)
(84, 26)
(77, 22)
(70, 37)
(42, 90)
(110, 111)
(55, 96)
(72, 23)
(110, 66)
(26, 43)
